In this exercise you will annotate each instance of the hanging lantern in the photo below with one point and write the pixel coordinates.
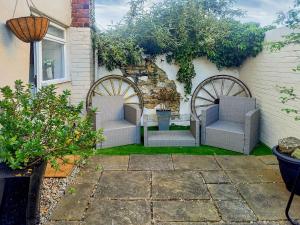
(30, 28)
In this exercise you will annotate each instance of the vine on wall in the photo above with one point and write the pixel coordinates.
(183, 30)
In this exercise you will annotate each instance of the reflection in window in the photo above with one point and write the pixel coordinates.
(52, 60)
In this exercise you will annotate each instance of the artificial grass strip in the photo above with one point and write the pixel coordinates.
(261, 149)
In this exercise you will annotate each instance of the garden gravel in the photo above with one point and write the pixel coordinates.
(52, 191)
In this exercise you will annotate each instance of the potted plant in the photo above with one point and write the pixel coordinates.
(29, 28)
(48, 69)
(288, 155)
(166, 97)
(34, 130)
(288, 149)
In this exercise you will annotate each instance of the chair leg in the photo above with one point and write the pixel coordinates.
(288, 207)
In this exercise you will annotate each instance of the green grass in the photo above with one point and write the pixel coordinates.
(261, 149)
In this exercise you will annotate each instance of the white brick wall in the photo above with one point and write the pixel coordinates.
(263, 74)
(81, 62)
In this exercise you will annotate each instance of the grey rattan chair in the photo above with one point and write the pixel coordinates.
(120, 122)
(233, 124)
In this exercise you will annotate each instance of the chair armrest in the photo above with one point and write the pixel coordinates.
(97, 120)
(132, 114)
(251, 130)
(208, 116)
(195, 129)
(145, 123)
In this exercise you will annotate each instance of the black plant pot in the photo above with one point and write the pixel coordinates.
(20, 194)
(289, 169)
(163, 117)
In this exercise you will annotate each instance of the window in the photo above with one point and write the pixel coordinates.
(51, 56)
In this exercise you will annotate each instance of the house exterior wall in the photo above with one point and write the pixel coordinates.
(263, 74)
(14, 54)
(81, 62)
(81, 51)
(74, 15)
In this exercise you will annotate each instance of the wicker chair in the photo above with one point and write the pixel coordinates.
(233, 124)
(120, 122)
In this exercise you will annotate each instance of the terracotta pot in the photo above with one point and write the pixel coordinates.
(30, 28)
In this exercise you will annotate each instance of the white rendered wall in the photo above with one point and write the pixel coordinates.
(203, 68)
(262, 75)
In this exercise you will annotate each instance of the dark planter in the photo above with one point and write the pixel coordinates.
(163, 117)
(289, 169)
(20, 194)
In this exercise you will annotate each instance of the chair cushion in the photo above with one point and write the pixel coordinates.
(117, 125)
(234, 108)
(119, 133)
(111, 107)
(226, 134)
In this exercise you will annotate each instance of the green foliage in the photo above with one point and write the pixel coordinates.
(296, 154)
(259, 150)
(287, 95)
(42, 127)
(72, 190)
(114, 52)
(183, 30)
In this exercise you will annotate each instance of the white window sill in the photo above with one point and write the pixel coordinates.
(56, 81)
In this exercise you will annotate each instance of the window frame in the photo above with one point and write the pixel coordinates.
(39, 58)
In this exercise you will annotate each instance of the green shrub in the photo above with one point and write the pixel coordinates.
(183, 30)
(34, 128)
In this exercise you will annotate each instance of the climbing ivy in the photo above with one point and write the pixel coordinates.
(183, 30)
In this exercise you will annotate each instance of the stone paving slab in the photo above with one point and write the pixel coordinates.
(64, 223)
(254, 176)
(178, 185)
(180, 223)
(90, 172)
(222, 223)
(224, 192)
(215, 177)
(268, 159)
(235, 211)
(124, 185)
(116, 212)
(132, 189)
(73, 205)
(150, 162)
(246, 223)
(268, 200)
(194, 162)
(181, 211)
(231, 223)
(240, 162)
(113, 162)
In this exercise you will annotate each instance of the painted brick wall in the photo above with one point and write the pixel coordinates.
(81, 13)
(262, 74)
(81, 54)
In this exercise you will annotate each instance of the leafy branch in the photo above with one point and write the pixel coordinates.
(182, 30)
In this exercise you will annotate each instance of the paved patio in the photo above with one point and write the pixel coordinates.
(176, 190)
